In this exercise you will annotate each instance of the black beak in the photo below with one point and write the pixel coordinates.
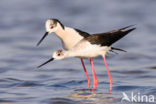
(42, 39)
(46, 62)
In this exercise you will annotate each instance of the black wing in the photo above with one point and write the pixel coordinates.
(82, 33)
(108, 38)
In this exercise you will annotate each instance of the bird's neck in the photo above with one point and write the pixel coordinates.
(60, 32)
(69, 53)
(68, 36)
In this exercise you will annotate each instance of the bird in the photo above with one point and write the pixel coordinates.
(69, 37)
(93, 46)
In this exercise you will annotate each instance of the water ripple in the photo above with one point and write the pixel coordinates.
(61, 101)
(64, 82)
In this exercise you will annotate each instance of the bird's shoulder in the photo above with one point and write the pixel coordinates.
(82, 33)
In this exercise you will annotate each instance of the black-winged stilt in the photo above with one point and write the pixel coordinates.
(69, 37)
(93, 46)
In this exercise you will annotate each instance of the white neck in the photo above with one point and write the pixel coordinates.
(60, 31)
(68, 36)
(69, 54)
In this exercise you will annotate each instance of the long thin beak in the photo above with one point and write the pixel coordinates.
(42, 38)
(46, 62)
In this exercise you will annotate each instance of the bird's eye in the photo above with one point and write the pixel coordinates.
(51, 27)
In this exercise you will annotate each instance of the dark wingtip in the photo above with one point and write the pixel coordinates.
(129, 30)
(127, 27)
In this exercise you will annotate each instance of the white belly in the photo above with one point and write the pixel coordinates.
(87, 50)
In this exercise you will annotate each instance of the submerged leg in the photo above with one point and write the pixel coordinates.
(109, 75)
(95, 80)
(85, 72)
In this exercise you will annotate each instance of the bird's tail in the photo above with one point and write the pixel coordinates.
(118, 49)
(113, 49)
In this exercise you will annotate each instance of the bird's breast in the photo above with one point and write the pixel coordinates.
(87, 50)
(70, 38)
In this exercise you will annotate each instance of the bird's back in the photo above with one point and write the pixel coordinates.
(108, 38)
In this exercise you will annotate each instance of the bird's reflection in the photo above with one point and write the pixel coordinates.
(92, 96)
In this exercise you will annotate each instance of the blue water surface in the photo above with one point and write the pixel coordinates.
(64, 82)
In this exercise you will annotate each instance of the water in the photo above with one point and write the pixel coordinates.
(64, 82)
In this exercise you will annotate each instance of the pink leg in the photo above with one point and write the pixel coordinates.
(95, 80)
(85, 72)
(109, 75)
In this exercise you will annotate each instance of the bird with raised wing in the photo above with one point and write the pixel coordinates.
(93, 46)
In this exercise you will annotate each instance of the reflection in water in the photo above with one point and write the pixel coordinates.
(22, 25)
(90, 96)
(61, 101)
